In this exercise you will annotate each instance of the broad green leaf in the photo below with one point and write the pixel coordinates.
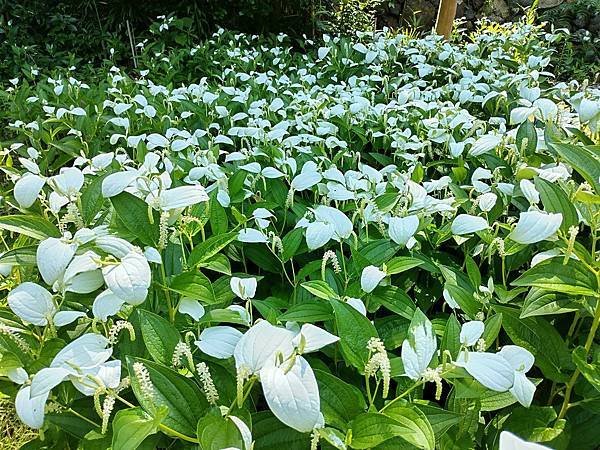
(209, 248)
(216, 432)
(340, 401)
(33, 226)
(135, 214)
(589, 369)
(354, 331)
(584, 159)
(270, 434)
(526, 138)
(159, 335)
(307, 312)
(320, 289)
(92, 200)
(555, 200)
(291, 243)
(418, 429)
(218, 216)
(451, 336)
(195, 285)
(394, 299)
(22, 256)
(552, 275)
(131, 426)
(401, 264)
(184, 400)
(539, 302)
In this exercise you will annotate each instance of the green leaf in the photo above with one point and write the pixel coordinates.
(270, 434)
(451, 336)
(493, 324)
(209, 248)
(218, 217)
(131, 426)
(159, 336)
(555, 200)
(22, 256)
(590, 370)
(526, 138)
(394, 299)
(402, 264)
(539, 302)
(92, 200)
(307, 312)
(552, 275)
(29, 225)
(320, 289)
(584, 159)
(216, 432)
(291, 243)
(440, 419)
(134, 214)
(340, 401)
(185, 402)
(418, 431)
(195, 285)
(354, 331)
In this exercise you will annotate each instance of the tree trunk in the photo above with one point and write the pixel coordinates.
(445, 18)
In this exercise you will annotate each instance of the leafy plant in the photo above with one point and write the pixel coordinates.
(372, 242)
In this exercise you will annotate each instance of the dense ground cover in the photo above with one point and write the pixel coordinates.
(380, 242)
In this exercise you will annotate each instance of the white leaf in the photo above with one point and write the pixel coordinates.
(48, 378)
(471, 332)
(30, 410)
(252, 236)
(106, 304)
(87, 351)
(313, 338)
(305, 180)
(370, 278)
(416, 359)
(63, 318)
(333, 216)
(32, 303)
(467, 224)
(68, 182)
(519, 358)
(53, 255)
(293, 397)
(219, 342)
(260, 343)
(535, 226)
(403, 228)
(318, 234)
(192, 308)
(529, 191)
(27, 189)
(358, 305)
(509, 441)
(485, 144)
(130, 279)
(489, 369)
(182, 197)
(523, 389)
(487, 201)
(115, 183)
(244, 288)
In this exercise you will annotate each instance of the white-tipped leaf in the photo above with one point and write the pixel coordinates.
(467, 224)
(293, 395)
(219, 342)
(32, 303)
(535, 226)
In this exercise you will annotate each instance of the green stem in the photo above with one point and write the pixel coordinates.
(588, 345)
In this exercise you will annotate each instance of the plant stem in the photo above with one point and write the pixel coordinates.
(588, 345)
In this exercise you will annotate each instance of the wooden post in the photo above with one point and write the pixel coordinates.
(445, 17)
